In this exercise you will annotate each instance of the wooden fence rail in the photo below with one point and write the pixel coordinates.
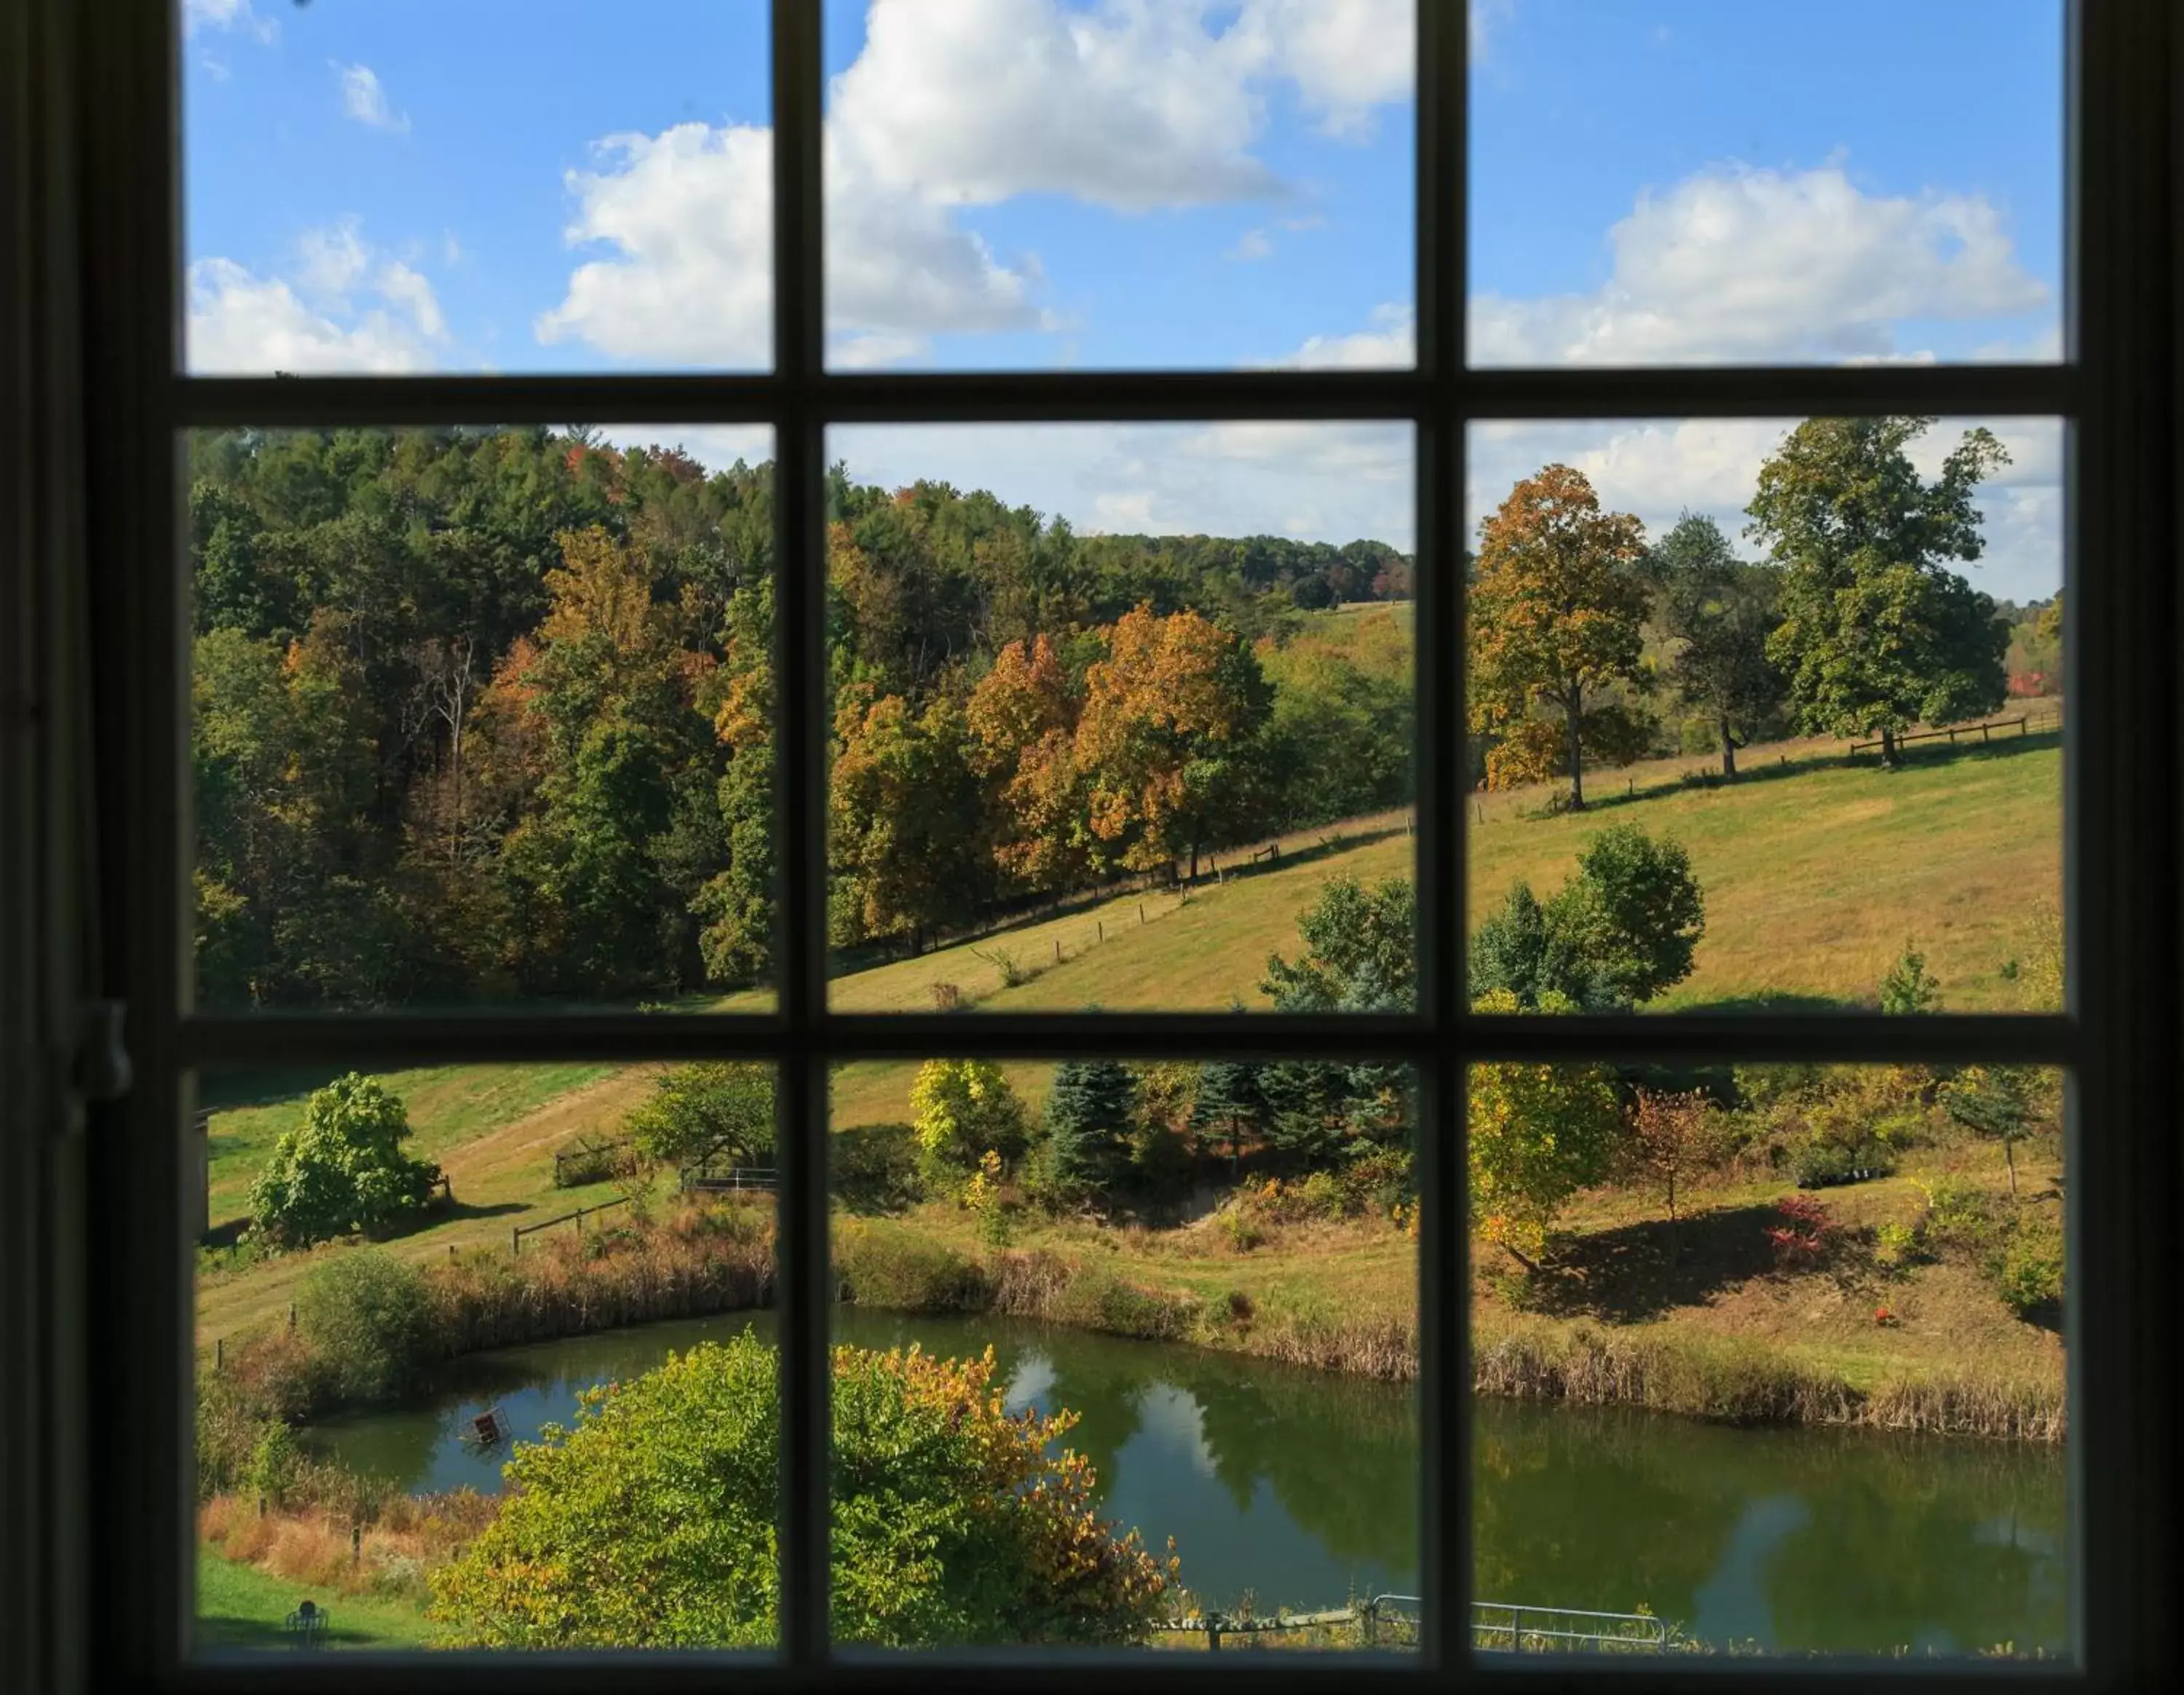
(517, 1232)
(2022, 724)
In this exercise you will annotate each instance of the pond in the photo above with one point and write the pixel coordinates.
(1299, 1488)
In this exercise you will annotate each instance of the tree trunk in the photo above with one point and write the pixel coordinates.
(1728, 750)
(1571, 708)
(1888, 755)
(2010, 1159)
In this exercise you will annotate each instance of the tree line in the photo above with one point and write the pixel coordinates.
(1853, 624)
(489, 713)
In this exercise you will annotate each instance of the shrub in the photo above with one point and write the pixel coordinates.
(275, 1463)
(947, 997)
(1907, 987)
(1240, 1224)
(1959, 1214)
(1803, 1234)
(651, 1524)
(1538, 1133)
(1379, 1178)
(367, 1317)
(1818, 1162)
(873, 1167)
(2028, 1271)
(594, 1158)
(1013, 971)
(343, 1169)
(1895, 1246)
(882, 1266)
(1323, 1195)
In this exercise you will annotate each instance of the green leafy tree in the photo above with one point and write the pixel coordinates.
(1995, 1100)
(1908, 986)
(1537, 1134)
(652, 1523)
(961, 1109)
(1722, 611)
(1557, 606)
(1634, 914)
(1622, 931)
(343, 1169)
(735, 905)
(711, 1114)
(1089, 1125)
(1877, 633)
(903, 828)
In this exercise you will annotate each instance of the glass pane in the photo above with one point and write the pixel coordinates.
(1191, 1290)
(1814, 673)
(1701, 181)
(466, 1336)
(1770, 1361)
(1115, 732)
(499, 186)
(1060, 183)
(482, 717)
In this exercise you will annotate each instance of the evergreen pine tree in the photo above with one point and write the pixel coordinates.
(1232, 1104)
(1088, 1125)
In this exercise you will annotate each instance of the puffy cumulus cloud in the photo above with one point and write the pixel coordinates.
(1393, 340)
(688, 216)
(1346, 58)
(342, 307)
(1130, 105)
(1661, 469)
(1759, 266)
(364, 100)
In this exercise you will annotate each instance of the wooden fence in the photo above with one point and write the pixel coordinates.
(517, 1232)
(2023, 724)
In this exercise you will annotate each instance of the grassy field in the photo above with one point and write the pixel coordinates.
(242, 1607)
(1816, 873)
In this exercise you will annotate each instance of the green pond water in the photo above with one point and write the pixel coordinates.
(1300, 1488)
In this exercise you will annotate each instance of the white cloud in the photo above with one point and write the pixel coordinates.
(1251, 247)
(340, 307)
(1335, 483)
(363, 99)
(227, 15)
(1659, 469)
(1393, 342)
(1742, 264)
(1132, 105)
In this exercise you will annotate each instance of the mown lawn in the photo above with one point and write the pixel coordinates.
(241, 1607)
(1816, 874)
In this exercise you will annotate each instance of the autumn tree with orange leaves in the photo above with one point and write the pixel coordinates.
(1557, 609)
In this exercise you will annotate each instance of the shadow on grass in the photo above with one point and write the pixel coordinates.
(225, 1633)
(1631, 1273)
(1774, 1000)
(1603, 796)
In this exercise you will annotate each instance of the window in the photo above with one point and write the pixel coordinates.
(1436, 376)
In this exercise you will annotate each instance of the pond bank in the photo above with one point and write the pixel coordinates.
(697, 1265)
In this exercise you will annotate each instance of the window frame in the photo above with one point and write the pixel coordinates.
(115, 159)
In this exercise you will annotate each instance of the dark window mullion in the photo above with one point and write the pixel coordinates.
(799, 623)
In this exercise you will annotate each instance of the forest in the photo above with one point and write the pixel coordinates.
(483, 714)
(488, 714)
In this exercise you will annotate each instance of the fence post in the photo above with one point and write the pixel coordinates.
(1102, 923)
(1213, 1633)
(1366, 1617)
(355, 1546)
(515, 1239)
(218, 1350)
(1141, 912)
(292, 1317)
(1057, 950)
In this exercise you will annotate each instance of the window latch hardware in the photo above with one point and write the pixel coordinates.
(103, 1070)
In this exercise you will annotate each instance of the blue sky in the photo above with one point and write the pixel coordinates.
(518, 185)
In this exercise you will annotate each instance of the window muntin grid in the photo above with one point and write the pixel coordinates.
(1440, 398)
